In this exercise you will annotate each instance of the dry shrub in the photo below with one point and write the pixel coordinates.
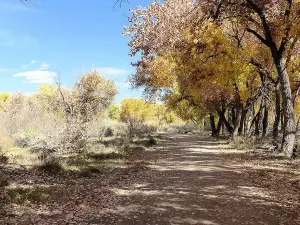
(297, 147)
(152, 141)
(242, 143)
(186, 128)
(179, 128)
(135, 128)
(132, 150)
(68, 138)
(3, 181)
(6, 142)
(100, 128)
(30, 124)
(49, 164)
(25, 114)
(26, 121)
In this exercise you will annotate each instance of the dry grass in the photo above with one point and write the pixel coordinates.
(22, 156)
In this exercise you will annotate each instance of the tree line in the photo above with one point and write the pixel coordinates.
(235, 61)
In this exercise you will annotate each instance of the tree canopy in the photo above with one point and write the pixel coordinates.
(236, 56)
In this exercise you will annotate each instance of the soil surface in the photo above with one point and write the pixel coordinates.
(184, 179)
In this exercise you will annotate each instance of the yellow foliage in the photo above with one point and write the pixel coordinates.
(142, 110)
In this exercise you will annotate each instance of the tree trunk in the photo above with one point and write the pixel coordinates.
(223, 129)
(265, 121)
(243, 121)
(219, 126)
(277, 112)
(225, 122)
(233, 115)
(288, 139)
(258, 120)
(237, 120)
(213, 125)
(298, 123)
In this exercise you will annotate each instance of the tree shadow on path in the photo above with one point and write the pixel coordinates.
(191, 182)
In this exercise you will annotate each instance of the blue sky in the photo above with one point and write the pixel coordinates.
(64, 37)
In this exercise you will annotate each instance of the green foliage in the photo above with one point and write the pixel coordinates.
(114, 112)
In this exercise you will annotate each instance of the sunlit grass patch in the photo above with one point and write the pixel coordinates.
(32, 194)
(22, 156)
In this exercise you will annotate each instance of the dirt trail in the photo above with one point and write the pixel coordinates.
(185, 179)
(191, 182)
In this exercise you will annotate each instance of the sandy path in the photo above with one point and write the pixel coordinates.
(185, 179)
(189, 182)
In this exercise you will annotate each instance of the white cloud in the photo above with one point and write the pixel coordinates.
(110, 71)
(37, 76)
(44, 66)
(33, 62)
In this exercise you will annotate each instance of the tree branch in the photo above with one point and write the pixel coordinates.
(263, 40)
(288, 28)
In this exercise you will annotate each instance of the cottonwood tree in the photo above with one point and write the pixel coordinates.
(161, 29)
(276, 25)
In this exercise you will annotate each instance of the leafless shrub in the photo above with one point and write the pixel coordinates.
(179, 128)
(242, 143)
(100, 128)
(3, 181)
(297, 147)
(135, 128)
